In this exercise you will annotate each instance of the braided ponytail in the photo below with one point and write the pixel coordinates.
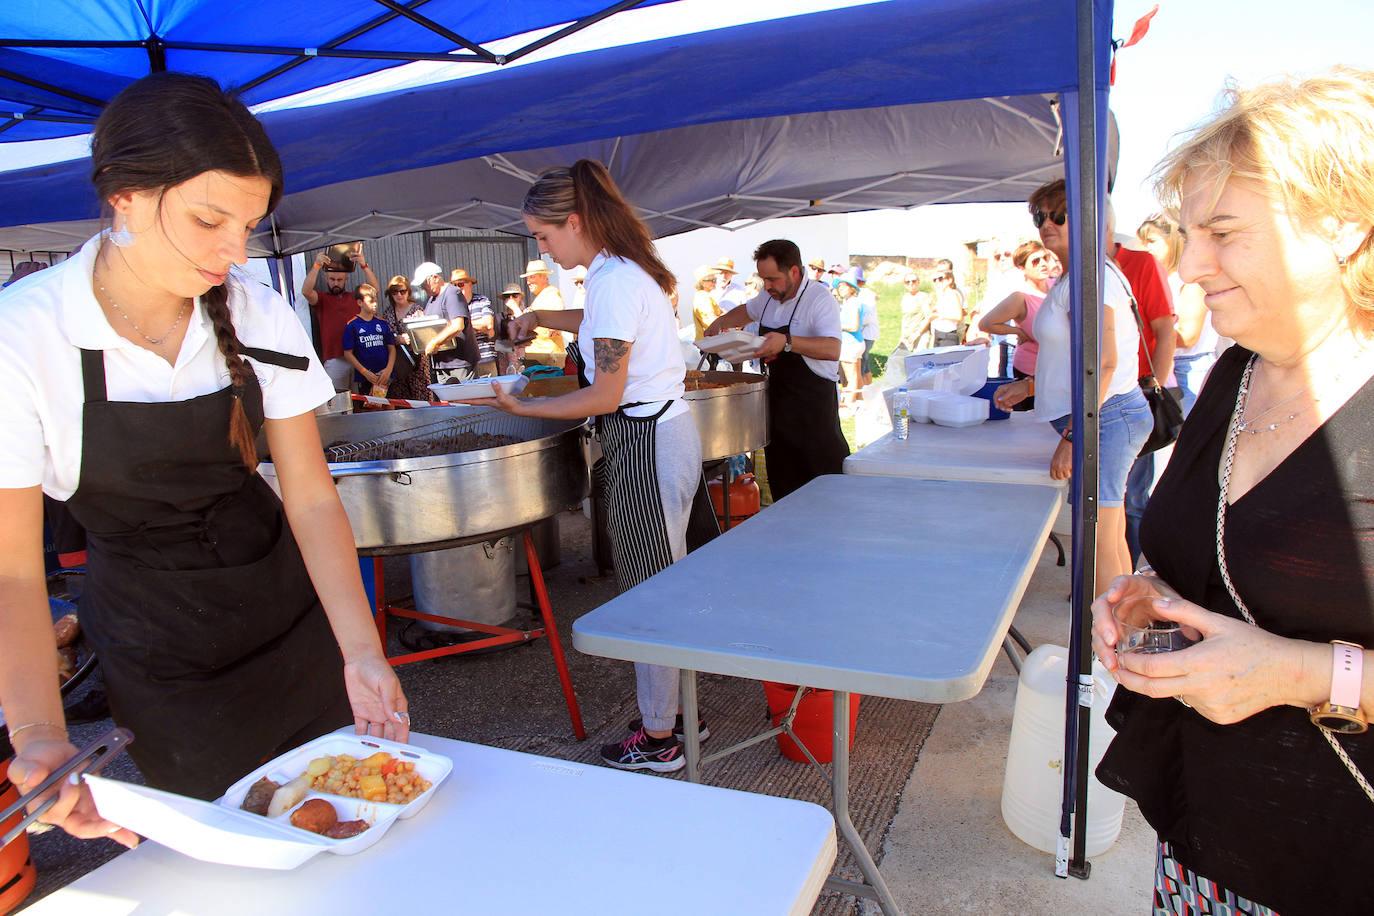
(216, 301)
(163, 130)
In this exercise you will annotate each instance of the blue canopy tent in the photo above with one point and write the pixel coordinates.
(940, 100)
(61, 60)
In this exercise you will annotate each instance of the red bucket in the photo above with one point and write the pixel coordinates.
(814, 722)
(17, 874)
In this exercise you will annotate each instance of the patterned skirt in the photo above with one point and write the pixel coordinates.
(1179, 891)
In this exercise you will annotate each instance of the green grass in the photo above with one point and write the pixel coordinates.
(889, 332)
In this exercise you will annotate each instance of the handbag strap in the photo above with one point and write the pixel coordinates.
(1228, 458)
(1139, 324)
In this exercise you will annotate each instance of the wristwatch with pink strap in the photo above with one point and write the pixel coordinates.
(1342, 712)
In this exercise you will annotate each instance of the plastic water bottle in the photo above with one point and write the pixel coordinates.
(901, 414)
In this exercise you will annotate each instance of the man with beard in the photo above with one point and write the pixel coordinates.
(800, 324)
(334, 308)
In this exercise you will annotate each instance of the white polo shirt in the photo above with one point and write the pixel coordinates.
(816, 314)
(624, 303)
(53, 315)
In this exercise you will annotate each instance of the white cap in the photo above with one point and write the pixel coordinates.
(424, 272)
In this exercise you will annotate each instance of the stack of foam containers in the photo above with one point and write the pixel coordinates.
(958, 410)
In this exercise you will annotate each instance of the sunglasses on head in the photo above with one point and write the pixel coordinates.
(1058, 217)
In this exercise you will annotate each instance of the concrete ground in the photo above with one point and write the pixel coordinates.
(948, 849)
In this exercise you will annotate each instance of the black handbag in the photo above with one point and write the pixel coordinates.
(1164, 404)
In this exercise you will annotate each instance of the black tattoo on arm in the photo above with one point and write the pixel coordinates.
(609, 353)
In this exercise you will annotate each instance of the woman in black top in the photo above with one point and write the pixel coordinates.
(1254, 801)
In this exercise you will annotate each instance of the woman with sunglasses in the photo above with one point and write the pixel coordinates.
(411, 379)
(947, 316)
(1124, 416)
(1015, 314)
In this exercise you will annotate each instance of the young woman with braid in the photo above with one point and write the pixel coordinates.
(230, 626)
(651, 462)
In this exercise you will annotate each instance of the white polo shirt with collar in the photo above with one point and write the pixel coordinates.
(52, 315)
(813, 313)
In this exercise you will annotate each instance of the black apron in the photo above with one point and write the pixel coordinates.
(214, 646)
(804, 436)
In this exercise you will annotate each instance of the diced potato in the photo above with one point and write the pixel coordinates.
(319, 766)
(373, 787)
(376, 760)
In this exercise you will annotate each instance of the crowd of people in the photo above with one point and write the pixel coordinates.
(368, 347)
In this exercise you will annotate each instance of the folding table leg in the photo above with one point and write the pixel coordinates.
(551, 634)
(691, 739)
(839, 787)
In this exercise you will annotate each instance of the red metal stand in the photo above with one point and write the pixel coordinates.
(500, 636)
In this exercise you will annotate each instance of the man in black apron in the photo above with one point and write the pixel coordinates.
(215, 649)
(800, 323)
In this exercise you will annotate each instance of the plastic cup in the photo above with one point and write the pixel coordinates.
(1140, 630)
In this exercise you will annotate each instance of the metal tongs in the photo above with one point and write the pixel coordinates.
(506, 345)
(91, 759)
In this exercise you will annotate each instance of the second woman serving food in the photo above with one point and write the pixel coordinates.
(633, 385)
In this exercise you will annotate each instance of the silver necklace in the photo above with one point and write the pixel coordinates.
(1248, 426)
(155, 341)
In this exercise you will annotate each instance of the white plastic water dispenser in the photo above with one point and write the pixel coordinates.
(1033, 787)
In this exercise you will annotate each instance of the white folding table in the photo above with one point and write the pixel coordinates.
(512, 833)
(1016, 450)
(873, 585)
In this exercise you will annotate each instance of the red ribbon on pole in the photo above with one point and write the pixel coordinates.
(1138, 31)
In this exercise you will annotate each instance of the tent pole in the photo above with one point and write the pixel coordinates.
(1085, 151)
(49, 87)
(437, 29)
(564, 32)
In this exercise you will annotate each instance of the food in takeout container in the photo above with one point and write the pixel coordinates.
(479, 387)
(282, 814)
(731, 346)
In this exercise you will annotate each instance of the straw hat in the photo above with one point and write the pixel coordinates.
(726, 266)
(535, 267)
(702, 272)
(459, 275)
(578, 273)
(816, 263)
(512, 289)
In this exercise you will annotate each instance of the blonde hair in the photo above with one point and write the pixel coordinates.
(1166, 228)
(1310, 141)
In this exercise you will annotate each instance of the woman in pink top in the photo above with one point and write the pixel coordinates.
(1020, 307)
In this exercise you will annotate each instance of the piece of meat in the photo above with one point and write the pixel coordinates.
(66, 629)
(316, 815)
(259, 796)
(345, 829)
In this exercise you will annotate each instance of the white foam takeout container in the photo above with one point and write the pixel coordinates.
(223, 833)
(479, 387)
(732, 346)
(958, 410)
